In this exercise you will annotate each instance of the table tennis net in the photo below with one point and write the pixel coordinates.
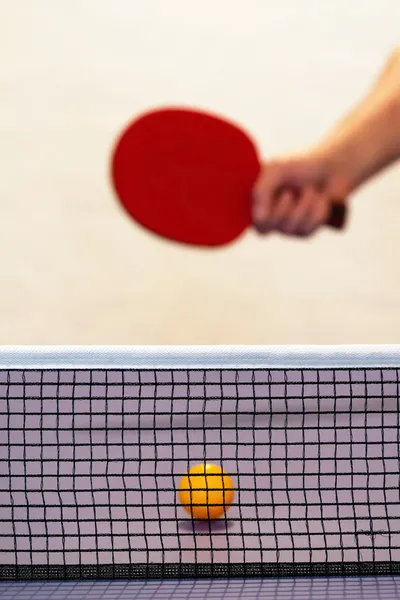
(90, 460)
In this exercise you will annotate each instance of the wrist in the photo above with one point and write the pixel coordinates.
(360, 148)
(339, 173)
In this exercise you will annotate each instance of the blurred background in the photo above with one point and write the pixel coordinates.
(75, 270)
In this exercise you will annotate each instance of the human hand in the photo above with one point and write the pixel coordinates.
(293, 195)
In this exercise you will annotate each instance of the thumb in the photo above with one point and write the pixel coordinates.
(264, 191)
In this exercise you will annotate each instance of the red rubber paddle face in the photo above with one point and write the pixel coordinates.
(187, 176)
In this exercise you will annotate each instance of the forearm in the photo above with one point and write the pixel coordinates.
(368, 139)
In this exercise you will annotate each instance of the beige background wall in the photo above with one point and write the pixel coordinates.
(75, 270)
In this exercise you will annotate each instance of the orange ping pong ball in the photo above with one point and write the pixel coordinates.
(206, 491)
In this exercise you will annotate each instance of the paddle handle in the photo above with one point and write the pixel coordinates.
(338, 214)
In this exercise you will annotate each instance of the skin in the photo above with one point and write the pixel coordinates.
(359, 147)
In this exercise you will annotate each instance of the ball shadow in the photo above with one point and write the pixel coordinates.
(205, 526)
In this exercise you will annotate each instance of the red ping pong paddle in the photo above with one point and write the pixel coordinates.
(188, 176)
